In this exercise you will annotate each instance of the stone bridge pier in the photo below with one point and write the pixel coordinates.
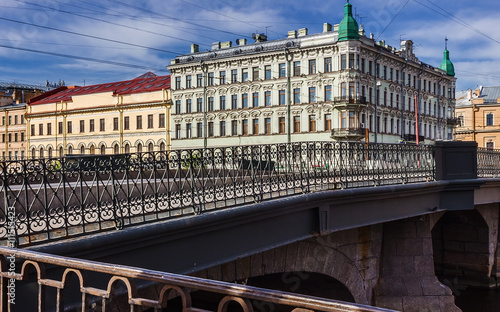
(388, 265)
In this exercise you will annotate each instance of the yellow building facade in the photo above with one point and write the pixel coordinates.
(13, 131)
(120, 117)
(478, 117)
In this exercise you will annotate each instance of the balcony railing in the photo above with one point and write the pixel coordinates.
(413, 138)
(350, 99)
(48, 199)
(488, 163)
(111, 287)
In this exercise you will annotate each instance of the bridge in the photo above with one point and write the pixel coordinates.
(377, 219)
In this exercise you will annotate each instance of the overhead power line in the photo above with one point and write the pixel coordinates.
(85, 58)
(89, 36)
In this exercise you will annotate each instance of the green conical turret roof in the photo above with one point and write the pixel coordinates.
(348, 28)
(447, 65)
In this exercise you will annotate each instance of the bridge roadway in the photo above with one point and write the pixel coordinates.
(379, 240)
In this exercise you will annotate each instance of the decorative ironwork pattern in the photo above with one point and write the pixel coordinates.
(488, 163)
(116, 286)
(71, 196)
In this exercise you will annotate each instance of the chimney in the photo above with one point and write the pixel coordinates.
(241, 42)
(195, 48)
(327, 27)
(215, 45)
(226, 44)
(469, 94)
(302, 32)
(292, 34)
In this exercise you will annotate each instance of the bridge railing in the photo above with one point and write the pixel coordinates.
(488, 163)
(110, 287)
(47, 199)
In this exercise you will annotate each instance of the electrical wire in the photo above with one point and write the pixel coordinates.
(84, 58)
(393, 19)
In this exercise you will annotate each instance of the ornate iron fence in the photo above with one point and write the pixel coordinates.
(488, 163)
(111, 287)
(47, 199)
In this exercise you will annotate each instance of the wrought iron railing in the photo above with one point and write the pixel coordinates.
(488, 163)
(111, 287)
(47, 199)
(351, 99)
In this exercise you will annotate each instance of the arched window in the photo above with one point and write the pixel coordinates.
(150, 147)
(116, 149)
(82, 150)
(139, 148)
(103, 150)
(70, 150)
(92, 150)
(162, 146)
(61, 152)
(33, 153)
(127, 148)
(50, 152)
(41, 152)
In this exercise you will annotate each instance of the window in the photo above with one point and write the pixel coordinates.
(296, 124)
(3, 120)
(328, 64)
(139, 148)
(22, 136)
(15, 119)
(343, 61)
(102, 124)
(234, 75)
(234, 101)
(489, 119)
(82, 126)
(234, 127)
(312, 67)
(282, 100)
(10, 120)
(178, 106)
(103, 150)
(460, 121)
(161, 120)
(126, 123)
(255, 73)
(328, 122)
(281, 125)
(210, 107)
(267, 125)
(162, 146)
(343, 120)
(189, 81)
(22, 119)
(199, 130)
(3, 137)
(490, 145)
(363, 61)
(296, 96)
(177, 131)
(244, 74)
(199, 105)
(267, 72)
(282, 69)
(49, 152)
(312, 123)
(70, 127)
(222, 102)
(210, 129)
(222, 131)
(59, 126)
(49, 129)
(312, 94)
(370, 67)
(199, 80)
(351, 60)
(255, 99)
(222, 78)
(328, 93)
(115, 123)
(296, 68)
(211, 79)
(188, 105)
(116, 149)
(10, 137)
(244, 127)
(177, 83)
(255, 126)
(267, 98)
(40, 129)
(91, 125)
(82, 150)
(385, 72)
(244, 100)
(150, 121)
(139, 122)
(16, 137)
(188, 130)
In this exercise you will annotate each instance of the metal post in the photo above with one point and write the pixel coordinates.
(376, 93)
(403, 125)
(204, 69)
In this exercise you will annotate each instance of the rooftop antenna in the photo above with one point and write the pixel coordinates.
(401, 38)
(267, 28)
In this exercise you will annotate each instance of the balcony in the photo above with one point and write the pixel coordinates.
(348, 134)
(349, 101)
(453, 122)
(413, 138)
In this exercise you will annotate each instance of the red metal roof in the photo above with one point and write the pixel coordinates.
(145, 83)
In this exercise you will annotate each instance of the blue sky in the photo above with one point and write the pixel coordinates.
(158, 30)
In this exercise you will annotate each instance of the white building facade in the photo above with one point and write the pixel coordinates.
(319, 87)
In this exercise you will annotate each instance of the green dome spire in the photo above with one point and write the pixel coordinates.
(348, 28)
(446, 64)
